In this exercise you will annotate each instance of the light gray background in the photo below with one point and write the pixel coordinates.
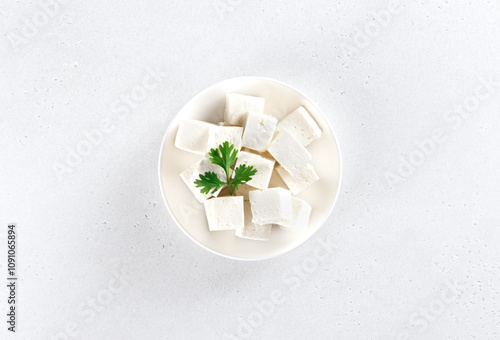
(414, 248)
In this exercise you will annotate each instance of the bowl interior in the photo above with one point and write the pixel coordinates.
(190, 214)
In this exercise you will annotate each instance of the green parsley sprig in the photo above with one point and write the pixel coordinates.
(225, 157)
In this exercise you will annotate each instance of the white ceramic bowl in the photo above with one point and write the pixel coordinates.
(189, 214)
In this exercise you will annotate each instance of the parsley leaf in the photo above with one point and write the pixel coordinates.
(225, 157)
(209, 182)
(242, 174)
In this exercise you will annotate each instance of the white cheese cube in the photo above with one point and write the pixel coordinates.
(244, 190)
(221, 134)
(203, 166)
(301, 125)
(192, 136)
(263, 165)
(237, 106)
(288, 151)
(186, 177)
(301, 180)
(271, 206)
(301, 215)
(225, 213)
(259, 131)
(252, 231)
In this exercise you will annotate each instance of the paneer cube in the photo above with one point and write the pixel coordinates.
(271, 206)
(301, 215)
(204, 165)
(237, 106)
(225, 213)
(301, 180)
(301, 125)
(221, 134)
(289, 152)
(186, 177)
(259, 131)
(252, 231)
(192, 136)
(263, 165)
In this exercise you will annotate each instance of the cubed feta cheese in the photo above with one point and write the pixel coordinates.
(301, 215)
(225, 213)
(288, 151)
(221, 134)
(204, 165)
(237, 106)
(252, 231)
(192, 136)
(271, 206)
(301, 180)
(263, 165)
(259, 131)
(301, 125)
(186, 177)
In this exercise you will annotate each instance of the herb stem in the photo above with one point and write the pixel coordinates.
(228, 182)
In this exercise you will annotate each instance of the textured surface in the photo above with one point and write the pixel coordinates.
(411, 250)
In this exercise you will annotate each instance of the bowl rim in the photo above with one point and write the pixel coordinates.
(280, 252)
